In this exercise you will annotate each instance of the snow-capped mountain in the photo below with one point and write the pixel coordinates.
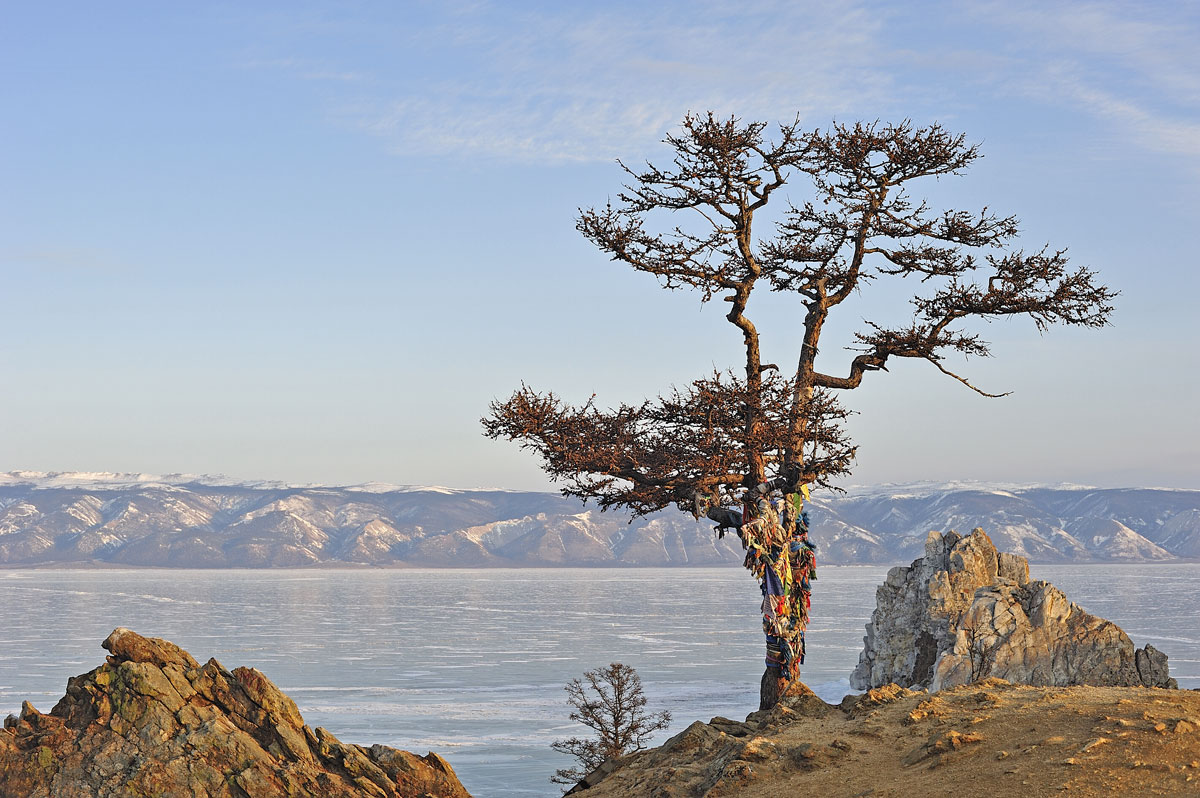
(184, 520)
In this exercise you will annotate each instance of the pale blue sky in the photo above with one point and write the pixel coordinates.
(312, 241)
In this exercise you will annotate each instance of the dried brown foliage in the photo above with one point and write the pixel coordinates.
(694, 439)
(861, 224)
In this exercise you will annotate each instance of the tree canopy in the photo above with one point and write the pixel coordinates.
(691, 224)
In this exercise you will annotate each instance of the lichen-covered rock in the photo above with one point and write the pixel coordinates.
(125, 644)
(1032, 634)
(917, 605)
(151, 721)
(965, 612)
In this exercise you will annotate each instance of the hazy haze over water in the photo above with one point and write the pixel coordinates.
(471, 663)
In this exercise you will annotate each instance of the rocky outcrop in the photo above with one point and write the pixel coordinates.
(152, 721)
(1032, 634)
(699, 759)
(983, 740)
(965, 611)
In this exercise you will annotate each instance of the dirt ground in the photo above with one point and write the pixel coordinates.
(979, 741)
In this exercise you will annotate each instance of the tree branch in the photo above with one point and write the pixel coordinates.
(963, 380)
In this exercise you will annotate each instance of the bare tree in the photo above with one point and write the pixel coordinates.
(743, 446)
(609, 701)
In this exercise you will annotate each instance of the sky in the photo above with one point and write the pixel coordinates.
(311, 242)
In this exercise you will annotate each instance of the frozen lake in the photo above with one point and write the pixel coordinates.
(471, 663)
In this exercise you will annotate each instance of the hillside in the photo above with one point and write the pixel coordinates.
(187, 521)
(986, 740)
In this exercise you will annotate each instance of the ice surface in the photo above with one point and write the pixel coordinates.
(472, 663)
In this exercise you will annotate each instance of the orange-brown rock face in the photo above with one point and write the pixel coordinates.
(151, 721)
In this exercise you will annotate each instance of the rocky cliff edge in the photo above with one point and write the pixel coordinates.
(991, 739)
(152, 721)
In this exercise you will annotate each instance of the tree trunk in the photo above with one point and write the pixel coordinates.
(771, 688)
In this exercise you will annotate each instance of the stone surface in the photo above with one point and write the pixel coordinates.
(125, 644)
(1151, 666)
(964, 612)
(917, 605)
(983, 740)
(151, 721)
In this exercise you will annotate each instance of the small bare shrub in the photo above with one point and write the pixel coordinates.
(609, 701)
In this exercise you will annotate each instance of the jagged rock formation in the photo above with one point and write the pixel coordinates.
(195, 522)
(965, 611)
(151, 721)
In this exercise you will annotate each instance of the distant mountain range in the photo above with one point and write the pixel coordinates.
(201, 522)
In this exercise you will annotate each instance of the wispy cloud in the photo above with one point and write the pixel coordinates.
(565, 82)
(565, 86)
(1133, 65)
(1155, 128)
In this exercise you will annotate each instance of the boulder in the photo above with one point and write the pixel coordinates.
(1151, 665)
(965, 612)
(151, 721)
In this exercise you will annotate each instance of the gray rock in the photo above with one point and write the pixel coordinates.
(917, 605)
(965, 612)
(1151, 666)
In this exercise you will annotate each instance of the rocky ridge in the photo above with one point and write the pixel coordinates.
(964, 612)
(991, 739)
(152, 721)
(189, 522)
